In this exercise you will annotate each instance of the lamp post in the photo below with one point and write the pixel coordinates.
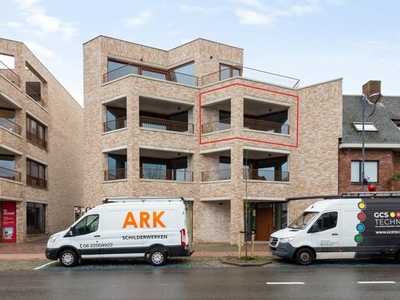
(373, 99)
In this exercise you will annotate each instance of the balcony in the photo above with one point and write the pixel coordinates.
(166, 174)
(36, 182)
(115, 174)
(9, 74)
(36, 139)
(261, 125)
(216, 175)
(257, 174)
(164, 124)
(32, 90)
(10, 174)
(216, 126)
(8, 124)
(115, 124)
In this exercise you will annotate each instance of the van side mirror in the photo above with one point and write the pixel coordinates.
(314, 228)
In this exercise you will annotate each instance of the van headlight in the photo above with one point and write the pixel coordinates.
(53, 238)
(286, 240)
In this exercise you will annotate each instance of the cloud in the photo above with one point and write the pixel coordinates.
(14, 25)
(301, 10)
(142, 19)
(40, 51)
(255, 3)
(251, 17)
(44, 24)
(210, 11)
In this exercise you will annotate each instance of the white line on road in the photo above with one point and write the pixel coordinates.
(285, 283)
(45, 265)
(376, 282)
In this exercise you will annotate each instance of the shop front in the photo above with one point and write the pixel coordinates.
(8, 222)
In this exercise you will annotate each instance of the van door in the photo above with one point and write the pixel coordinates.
(86, 236)
(326, 236)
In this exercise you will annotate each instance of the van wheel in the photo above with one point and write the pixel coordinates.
(304, 257)
(158, 257)
(69, 258)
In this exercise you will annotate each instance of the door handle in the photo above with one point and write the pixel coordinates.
(335, 233)
(97, 236)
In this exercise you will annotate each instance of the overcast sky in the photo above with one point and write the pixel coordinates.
(312, 40)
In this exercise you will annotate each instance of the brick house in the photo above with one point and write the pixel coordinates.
(41, 133)
(381, 143)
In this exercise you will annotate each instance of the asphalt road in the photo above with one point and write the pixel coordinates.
(287, 281)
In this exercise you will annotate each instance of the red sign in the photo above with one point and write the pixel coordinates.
(8, 222)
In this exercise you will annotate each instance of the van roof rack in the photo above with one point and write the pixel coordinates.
(348, 195)
(141, 199)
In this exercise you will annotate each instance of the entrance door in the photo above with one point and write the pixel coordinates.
(264, 223)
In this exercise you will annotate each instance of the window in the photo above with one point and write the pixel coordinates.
(227, 71)
(367, 126)
(370, 171)
(183, 74)
(115, 118)
(224, 120)
(7, 166)
(35, 218)
(325, 222)
(174, 169)
(35, 174)
(36, 132)
(117, 166)
(397, 123)
(86, 225)
(119, 69)
(224, 168)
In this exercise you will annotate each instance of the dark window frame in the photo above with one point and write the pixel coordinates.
(36, 132)
(36, 174)
(35, 218)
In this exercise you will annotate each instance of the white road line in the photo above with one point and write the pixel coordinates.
(276, 283)
(45, 265)
(376, 282)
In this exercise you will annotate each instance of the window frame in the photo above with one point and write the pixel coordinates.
(358, 170)
(39, 181)
(39, 222)
(36, 132)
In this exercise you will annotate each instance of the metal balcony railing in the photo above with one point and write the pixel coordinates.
(115, 124)
(252, 74)
(115, 174)
(34, 96)
(163, 124)
(6, 123)
(10, 174)
(36, 182)
(36, 139)
(216, 175)
(166, 174)
(266, 126)
(216, 126)
(256, 174)
(9, 74)
(168, 75)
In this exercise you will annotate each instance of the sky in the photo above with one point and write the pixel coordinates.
(311, 40)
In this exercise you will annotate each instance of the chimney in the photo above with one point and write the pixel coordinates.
(371, 87)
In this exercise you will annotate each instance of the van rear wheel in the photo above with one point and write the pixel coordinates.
(304, 257)
(158, 257)
(69, 258)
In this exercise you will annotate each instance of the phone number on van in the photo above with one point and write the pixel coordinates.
(105, 245)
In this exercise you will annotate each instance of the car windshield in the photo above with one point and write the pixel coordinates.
(303, 220)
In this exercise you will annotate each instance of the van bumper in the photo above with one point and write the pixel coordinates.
(51, 253)
(285, 250)
(179, 251)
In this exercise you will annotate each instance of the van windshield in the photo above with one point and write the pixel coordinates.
(303, 220)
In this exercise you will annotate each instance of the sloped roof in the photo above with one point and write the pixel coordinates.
(387, 133)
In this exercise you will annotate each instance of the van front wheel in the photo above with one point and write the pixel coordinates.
(69, 258)
(158, 257)
(304, 257)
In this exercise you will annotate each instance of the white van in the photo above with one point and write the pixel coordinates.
(129, 228)
(342, 228)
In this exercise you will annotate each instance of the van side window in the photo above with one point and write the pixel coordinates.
(326, 221)
(86, 225)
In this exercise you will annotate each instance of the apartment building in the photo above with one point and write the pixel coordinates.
(381, 141)
(195, 122)
(41, 161)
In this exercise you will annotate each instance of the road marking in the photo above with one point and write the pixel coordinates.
(45, 265)
(376, 282)
(276, 283)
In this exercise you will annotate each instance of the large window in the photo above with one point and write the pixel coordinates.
(87, 225)
(224, 168)
(36, 132)
(115, 118)
(174, 169)
(35, 218)
(371, 171)
(7, 167)
(35, 174)
(117, 166)
(227, 71)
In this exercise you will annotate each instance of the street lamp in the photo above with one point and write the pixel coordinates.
(373, 100)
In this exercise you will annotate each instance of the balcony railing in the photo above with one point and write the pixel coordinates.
(216, 175)
(115, 124)
(9, 74)
(10, 174)
(152, 73)
(163, 124)
(166, 174)
(115, 174)
(216, 126)
(33, 95)
(36, 139)
(252, 74)
(36, 182)
(256, 174)
(6, 123)
(266, 126)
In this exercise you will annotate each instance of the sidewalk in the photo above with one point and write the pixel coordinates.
(35, 250)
